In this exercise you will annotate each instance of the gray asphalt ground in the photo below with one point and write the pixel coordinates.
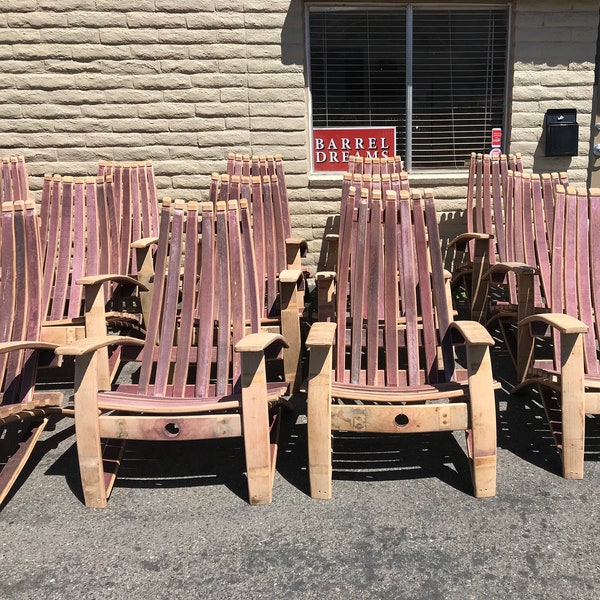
(402, 523)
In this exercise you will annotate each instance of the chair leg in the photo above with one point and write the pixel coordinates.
(255, 426)
(17, 461)
(319, 422)
(572, 406)
(87, 429)
(481, 439)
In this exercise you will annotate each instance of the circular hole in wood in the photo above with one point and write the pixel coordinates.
(172, 429)
(401, 420)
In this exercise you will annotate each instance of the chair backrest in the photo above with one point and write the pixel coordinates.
(197, 318)
(261, 166)
(269, 223)
(375, 165)
(488, 188)
(76, 240)
(413, 328)
(576, 266)
(20, 294)
(14, 180)
(133, 212)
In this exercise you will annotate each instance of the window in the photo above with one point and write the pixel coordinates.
(437, 75)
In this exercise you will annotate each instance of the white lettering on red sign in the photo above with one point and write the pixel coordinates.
(332, 147)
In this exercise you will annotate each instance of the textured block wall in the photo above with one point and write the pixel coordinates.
(179, 81)
(554, 58)
(185, 81)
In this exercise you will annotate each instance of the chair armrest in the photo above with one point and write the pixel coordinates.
(295, 249)
(325, 276)
(473, 333)
(460, 241)
(325, 283)
(564, 324)
(91, 344)
(497, 272)
(300, 243)
(25, 345)
(144, 242)
(113, 277)
(259, 342)
(321, 334)
(290, 276)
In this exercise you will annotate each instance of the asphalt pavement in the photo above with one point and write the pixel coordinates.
(402, 523)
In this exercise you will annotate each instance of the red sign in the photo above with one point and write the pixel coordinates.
(333, 146)
(496, 137)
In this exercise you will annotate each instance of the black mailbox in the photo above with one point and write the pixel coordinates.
(562, 132)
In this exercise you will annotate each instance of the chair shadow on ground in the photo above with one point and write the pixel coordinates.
(523, 429)
(177, 464)
(53, 436)
(375, 457)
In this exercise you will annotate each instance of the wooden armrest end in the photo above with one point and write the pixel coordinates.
(463, 238)
(26, 345)
(321, 334)
(111, 277)
(473, 333)
(325, 276)
(290, 276)
(91, 344)
(144, 242)
(563, 323)
(259, 342)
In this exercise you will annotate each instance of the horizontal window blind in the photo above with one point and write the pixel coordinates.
(358, 60)
(459, 62)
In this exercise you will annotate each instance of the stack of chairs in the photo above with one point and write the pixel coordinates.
(513, 220)
(485, 238)
(88, 226)
(80, 250)
(372, 173)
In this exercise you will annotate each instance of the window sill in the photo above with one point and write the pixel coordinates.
(417, 180)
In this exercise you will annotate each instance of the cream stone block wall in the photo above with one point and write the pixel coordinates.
(183, 82)
(554, 48)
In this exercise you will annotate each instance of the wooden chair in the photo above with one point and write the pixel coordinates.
(392, 352)
(568, 381)
(192, 385)
(24, 412)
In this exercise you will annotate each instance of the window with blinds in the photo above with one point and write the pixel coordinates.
(437, 75)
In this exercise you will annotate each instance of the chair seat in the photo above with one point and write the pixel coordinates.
(40, 400)
(125, 399)
(545, 369)
(415, 393)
